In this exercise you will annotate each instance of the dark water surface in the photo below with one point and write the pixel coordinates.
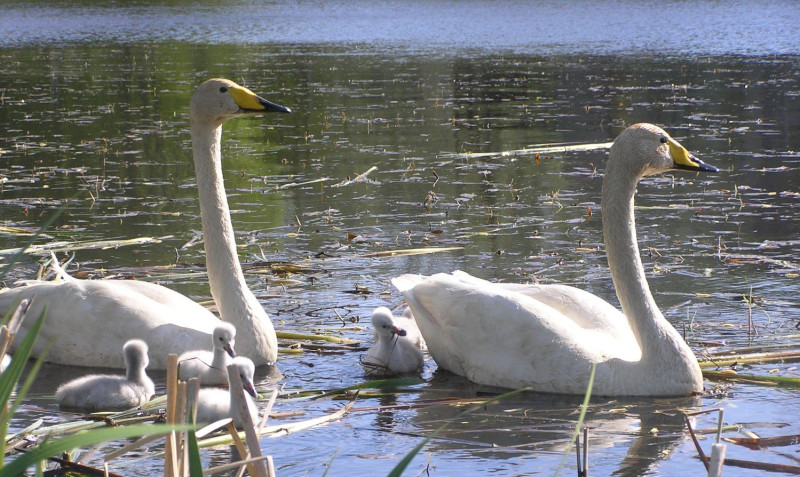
(93, 118)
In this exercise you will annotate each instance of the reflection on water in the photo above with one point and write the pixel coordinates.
(533, 427)
(100, 128)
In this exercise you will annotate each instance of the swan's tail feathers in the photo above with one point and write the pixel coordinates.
(61, 274)
(406, 282)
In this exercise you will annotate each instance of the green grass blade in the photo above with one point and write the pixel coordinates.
(585, 405)
(581, 418)
(9, 379)
(195, 464)
(26, 386)
(83, 439)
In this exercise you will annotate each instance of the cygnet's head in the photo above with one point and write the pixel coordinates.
(644, 149)
(383, 322)
(135, 354)
(218, 100)
(247, 371)
(224, 337)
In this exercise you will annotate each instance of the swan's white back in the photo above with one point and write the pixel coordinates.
(100, 392)
(89, 320)
(548, 337)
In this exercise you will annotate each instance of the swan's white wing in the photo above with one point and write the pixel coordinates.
(497, 336)
(89, 321)
(584, 309)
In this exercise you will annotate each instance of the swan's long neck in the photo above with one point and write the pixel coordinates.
(236, 303)
(664, 352)
(220, 359)
(658, 340)
(622, 249)
(136, 373)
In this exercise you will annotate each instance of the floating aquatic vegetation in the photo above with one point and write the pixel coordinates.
(64, 246)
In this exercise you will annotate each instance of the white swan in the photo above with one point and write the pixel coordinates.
(102, 392)
(89, 320)
(210, 366)
(547, 337)
(214, 404)
(393, 352)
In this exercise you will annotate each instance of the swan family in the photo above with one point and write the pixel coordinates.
(546, 337)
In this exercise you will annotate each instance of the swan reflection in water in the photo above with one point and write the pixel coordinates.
(530, 431)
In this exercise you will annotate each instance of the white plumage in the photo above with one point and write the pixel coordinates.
(393, 352)
(89, 320)
(547, 337)
(407, 322)
(210, 366)
(214, 404)
(103, 392)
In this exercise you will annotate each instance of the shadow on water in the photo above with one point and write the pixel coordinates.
(103, 114)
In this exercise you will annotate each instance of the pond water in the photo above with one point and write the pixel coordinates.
(93, 114)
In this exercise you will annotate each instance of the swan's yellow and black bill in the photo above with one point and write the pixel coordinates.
(686, 161)
(253, 103)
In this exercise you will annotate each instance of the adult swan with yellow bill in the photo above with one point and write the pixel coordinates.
(88, 321)
(548, 337)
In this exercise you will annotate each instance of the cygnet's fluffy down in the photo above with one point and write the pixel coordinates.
(407, 322)
(393, 352)
(214, 404)
(102, 392)
(210, 366)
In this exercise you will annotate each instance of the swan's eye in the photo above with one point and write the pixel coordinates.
(663, 140)
(223, 89)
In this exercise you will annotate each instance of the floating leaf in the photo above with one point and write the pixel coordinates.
(763, 442)
(730, 375)
(410, 251)
(535, 151)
